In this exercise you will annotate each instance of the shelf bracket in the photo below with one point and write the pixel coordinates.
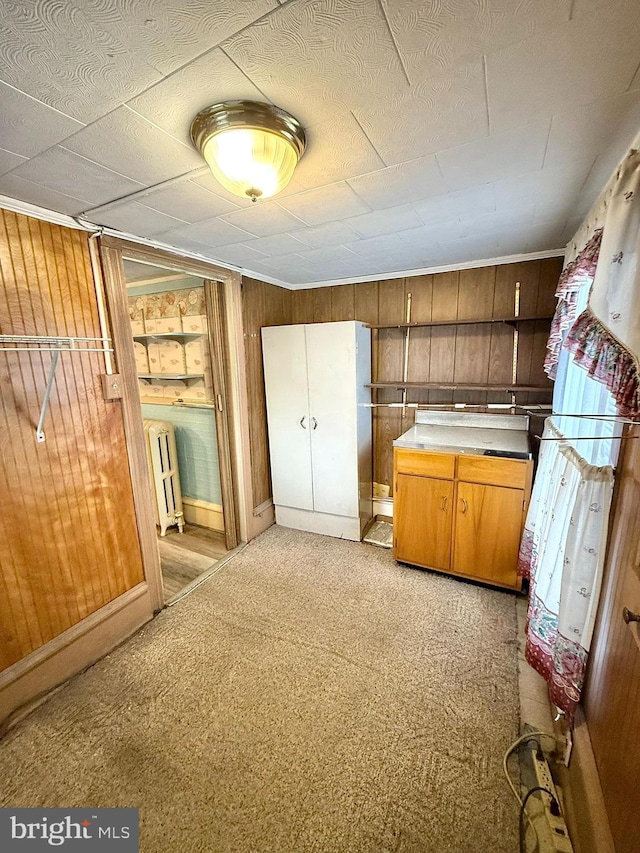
(47, 394)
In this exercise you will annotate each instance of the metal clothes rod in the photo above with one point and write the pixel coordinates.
(184, 405)
(590, 438)
(615, 419)
(55, 344)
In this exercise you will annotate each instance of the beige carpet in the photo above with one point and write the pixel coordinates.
(312, 696)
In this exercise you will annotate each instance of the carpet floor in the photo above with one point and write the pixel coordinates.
(311, 697)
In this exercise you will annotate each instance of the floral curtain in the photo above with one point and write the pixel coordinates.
(605, 339)
(562, 555)
(576, 276)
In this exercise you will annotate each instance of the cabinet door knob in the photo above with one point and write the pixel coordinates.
(464, 505)
(629, 615)
(302, 422)
(443, 504)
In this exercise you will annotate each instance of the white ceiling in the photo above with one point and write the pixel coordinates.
(439, 131)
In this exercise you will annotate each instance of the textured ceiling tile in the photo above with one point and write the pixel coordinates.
(141, 151)
(16, 187)
(389, 243)
(546, 236)
(263, 219)
(238, 254)
(556, 71)
(206, 180)
(21, 115)
(187, 201)
(501, 220)
(55, 53)
(210, 232)
(499, 156)
(331, 256)
(386, 221)
(167, 33)
(326, 204)
(397, 185)
(336, 150)
(436, 37)
(434, 115)
(61, 170)
(342, 50)
(586, 131)
(329, 234)
(426, 235)
(278, 244)
(476, 200)
(135, 218)
(173, 103)
(468, 249)
(9, 161)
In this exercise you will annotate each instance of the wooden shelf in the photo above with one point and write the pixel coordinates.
(171, 336)
(505, 320)
(171, 376)
(449, 386)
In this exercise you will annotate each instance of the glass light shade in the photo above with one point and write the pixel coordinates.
(251, 161)
(252, 148)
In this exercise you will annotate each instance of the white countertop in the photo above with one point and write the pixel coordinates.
(477, 434)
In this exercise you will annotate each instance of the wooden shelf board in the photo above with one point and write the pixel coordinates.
(172, 336)
(171, 376)
(452, 386)
(507, 320)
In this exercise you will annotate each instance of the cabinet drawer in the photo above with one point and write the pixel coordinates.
(424, 463)
(494, 471)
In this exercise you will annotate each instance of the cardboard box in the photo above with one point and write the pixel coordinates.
(195, 356)
(171, 357)
(142, 359)
(166, 325)
(153, 354)
(174, 390)
(137, 327)
(196, 323)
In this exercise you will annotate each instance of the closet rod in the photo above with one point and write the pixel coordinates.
(589, 438)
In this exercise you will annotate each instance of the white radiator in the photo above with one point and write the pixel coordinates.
(163, 464)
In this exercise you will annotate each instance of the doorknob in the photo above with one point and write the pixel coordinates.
(629, 615)
(302, 422)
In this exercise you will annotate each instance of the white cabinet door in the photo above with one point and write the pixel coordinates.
(285, 374)
(331, 359)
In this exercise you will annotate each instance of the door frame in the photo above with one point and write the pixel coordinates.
(223, 292)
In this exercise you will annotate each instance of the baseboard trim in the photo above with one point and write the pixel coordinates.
(383, 506)
(584, 806)
(203, 513)
(27, 683)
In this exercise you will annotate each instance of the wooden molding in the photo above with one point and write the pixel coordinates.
(27, 683)
(116, 296)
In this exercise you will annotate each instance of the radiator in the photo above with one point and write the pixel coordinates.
(163, 464)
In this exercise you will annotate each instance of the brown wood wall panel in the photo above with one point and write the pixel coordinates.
(612, 693)
(69, 542)
(464, 353)
(264, 305)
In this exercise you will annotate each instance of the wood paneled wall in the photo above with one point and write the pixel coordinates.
(262, 305)
(471, 353)
(465, 354)
(68, 538)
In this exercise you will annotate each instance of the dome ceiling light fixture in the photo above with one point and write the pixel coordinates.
(252, 148)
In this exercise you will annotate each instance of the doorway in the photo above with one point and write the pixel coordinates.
(169, 328)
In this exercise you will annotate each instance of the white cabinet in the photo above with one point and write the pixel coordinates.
(320, 425)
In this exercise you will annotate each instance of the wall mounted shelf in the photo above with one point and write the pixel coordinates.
(510, 321)
(183, 376)
(168, 336)
(448, 386)
(55, 344)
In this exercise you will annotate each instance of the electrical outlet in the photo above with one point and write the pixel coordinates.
(559, 837)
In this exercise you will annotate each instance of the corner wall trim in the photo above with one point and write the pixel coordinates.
(25, 684)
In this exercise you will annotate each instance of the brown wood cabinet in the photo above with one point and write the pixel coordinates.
(460, 514)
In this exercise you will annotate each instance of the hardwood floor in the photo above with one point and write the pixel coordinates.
(185, 556)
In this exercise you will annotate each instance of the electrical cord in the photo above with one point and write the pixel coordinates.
(505, 766)
(523, 807)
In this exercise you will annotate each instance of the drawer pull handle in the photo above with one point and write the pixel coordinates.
(302, 422)
(443, 505)
(315, 423)
(629, 615)
(464, 505)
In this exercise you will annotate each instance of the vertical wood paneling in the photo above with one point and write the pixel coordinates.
(473, 353)
(69, 543)
(612, 694)
(264, 305)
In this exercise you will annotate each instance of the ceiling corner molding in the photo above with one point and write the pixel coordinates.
(467, 265)
(16, 206)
